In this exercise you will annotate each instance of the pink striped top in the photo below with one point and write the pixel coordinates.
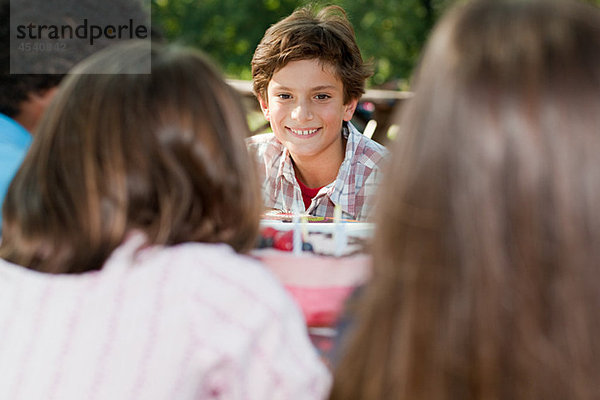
(193, 321)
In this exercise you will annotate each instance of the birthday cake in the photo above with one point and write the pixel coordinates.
(319, 263)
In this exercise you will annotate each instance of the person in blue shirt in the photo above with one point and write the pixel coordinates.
(14, 142)
(23, 100)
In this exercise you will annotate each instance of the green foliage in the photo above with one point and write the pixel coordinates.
(390, 33)
(228, 30)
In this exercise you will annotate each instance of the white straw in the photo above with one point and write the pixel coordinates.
(297, 241)
(339, 232)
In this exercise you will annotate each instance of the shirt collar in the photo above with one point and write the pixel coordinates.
(286, 167)
(342, 188)
(336, 189)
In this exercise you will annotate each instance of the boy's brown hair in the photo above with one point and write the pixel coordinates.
(304, 35)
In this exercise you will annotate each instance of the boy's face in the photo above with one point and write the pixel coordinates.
(305, 106)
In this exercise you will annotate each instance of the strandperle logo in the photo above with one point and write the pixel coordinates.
(90, 32)
(52, 36)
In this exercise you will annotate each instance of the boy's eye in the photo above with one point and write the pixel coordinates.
(284, 96)
(322, 96)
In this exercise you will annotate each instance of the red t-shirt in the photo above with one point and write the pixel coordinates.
(307, 193)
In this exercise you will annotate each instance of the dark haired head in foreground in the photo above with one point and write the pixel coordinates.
(162, 153)
(488, 246)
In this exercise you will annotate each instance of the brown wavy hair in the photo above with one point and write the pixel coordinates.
(162, 153)
(487, 251)
(306, 34)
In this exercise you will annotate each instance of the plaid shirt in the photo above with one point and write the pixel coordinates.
(353, 189)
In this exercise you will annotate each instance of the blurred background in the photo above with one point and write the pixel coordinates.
(390, 33)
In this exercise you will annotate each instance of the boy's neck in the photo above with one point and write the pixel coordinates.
(318, 171)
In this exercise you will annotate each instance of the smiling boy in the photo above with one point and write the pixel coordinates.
(308, 76)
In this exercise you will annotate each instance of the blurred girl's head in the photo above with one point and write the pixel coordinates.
(162, 153)
(488, 245)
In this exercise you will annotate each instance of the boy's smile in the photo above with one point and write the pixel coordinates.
(305, 106)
